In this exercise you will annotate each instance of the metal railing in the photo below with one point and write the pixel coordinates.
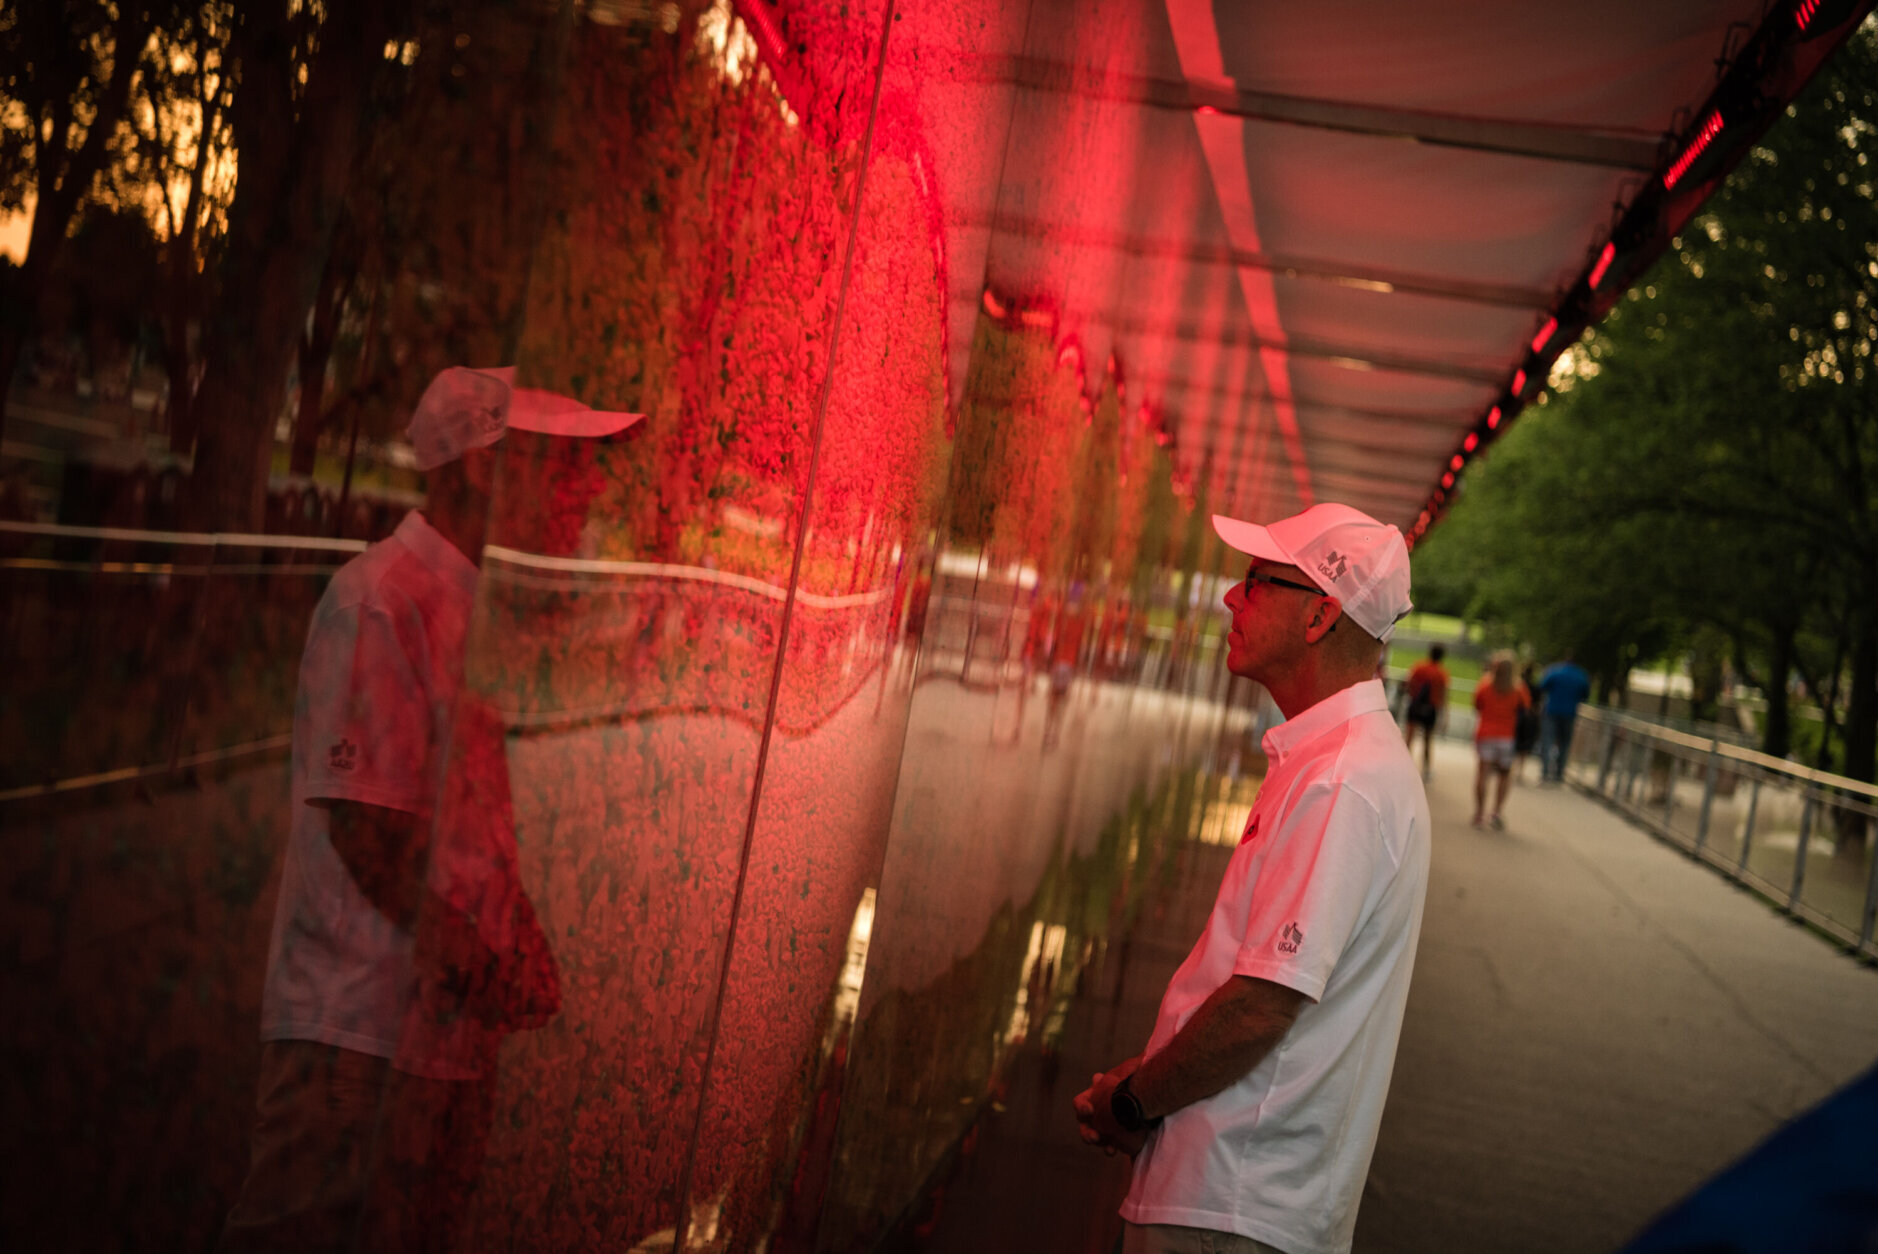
(1802, 838)
(142, 654)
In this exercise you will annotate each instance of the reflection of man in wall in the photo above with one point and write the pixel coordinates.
(403, 947)
(1253, 1111)
(1072, 624)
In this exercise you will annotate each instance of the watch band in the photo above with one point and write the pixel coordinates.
(1126, 1107)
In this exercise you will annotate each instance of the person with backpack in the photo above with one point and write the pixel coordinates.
(1427, 698)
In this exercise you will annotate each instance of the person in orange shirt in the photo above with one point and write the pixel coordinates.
(1498, 701)
(1428, 697)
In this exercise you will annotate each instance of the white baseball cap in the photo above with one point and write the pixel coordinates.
(1350, 555)
(464, 409)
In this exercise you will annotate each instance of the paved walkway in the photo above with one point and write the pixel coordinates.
(1597, 1025)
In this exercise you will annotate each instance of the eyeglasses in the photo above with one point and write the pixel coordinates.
(1253, 576)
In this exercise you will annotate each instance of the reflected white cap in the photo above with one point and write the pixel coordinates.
(464, 409)
(1351, 556)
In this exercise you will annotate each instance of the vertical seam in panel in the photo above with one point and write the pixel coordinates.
(782, 637)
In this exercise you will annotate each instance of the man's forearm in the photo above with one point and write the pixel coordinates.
(1226, 1037)
(383, 850)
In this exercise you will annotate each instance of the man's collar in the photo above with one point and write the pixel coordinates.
(1332, 712)
(444, 559)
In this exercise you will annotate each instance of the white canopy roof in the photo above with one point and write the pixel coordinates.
(1321, 238)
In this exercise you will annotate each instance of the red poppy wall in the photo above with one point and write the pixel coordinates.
(815, 729)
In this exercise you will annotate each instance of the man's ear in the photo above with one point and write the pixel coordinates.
(1328, 611)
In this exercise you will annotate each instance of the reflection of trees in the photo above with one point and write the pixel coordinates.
(689, 272)
(66, 71)
(688, 276)
(1046, 478)
(182, 159)
(345, 189)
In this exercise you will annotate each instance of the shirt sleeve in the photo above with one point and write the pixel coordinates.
(1313, 890)
(365, 715)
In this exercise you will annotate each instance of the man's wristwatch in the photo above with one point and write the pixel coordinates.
(1126, 1107)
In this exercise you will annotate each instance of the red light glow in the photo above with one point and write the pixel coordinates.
(1604, 263)
(1710, 129)
(993, 306)
(1519, 382)
(1493, 418)
(1447, 480)
(1471, 442)
(1540, 340)
(1803, 13)
(1456, 462)
(1207, 111)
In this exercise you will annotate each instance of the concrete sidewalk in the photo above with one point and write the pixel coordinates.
(1597, 1025)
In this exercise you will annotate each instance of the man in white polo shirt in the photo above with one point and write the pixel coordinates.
(403, 947)
(1252, 1114)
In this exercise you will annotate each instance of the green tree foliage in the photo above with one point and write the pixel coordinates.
(1705, 469)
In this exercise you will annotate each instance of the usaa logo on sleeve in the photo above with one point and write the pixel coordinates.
(343, 756)
(1290, 938)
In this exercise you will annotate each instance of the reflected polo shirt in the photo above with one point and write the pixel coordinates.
(1324, 895)
(378, 681)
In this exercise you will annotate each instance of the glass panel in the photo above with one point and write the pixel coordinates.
(1838, 863)
(690, 268)
(1777, 817)
(1064, 622)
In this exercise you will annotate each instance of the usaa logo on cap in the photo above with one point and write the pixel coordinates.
(487, 418)
(1332, 565)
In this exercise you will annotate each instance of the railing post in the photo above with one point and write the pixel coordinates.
(1605, 751)
(1708, 795)
(1799, 854)
(1670, 764)
(1747, 833)
(1871, 901)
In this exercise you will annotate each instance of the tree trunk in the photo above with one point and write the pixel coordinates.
(180, 367)
(183, 299)
(43, 243)
(294, 175)
(315, 351)
(1777, 735)
(1861, 734)
(13, 328)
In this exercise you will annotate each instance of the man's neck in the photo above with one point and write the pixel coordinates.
(464, 534)
(1309, 686)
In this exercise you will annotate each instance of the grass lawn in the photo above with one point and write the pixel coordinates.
(1442, 625)
(1463, 672)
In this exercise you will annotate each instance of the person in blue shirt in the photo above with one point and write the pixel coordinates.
(1563, 685)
